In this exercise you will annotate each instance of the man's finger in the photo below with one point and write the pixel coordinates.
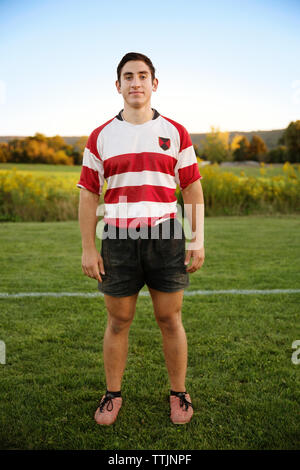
(192, 268)
(101, 265)
(85, 271)
(93, 273)
(196, 264)
(187, 257)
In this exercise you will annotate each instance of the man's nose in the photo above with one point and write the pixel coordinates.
(135, 82)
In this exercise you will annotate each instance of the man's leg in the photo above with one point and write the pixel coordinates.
(120, 313)
(167, 310)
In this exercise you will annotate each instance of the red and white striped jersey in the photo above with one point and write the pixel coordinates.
(142, 165)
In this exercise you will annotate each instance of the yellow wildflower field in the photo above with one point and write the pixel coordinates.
(53, 195)
(38, 196)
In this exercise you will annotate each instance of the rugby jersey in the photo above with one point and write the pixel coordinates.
(142, 165)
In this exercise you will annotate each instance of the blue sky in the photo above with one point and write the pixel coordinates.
(229, 64)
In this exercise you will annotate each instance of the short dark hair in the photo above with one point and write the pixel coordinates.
(135, 56)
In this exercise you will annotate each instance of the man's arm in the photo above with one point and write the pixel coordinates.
(91, 260)
(194, 209)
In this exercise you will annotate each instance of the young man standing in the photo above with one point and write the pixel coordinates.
(142, 156)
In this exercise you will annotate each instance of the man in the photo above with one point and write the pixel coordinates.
(142, 156)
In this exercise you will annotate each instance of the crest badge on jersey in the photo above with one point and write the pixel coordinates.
(164, 143)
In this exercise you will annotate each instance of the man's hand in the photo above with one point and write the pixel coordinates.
(197, 255)
(92, 263)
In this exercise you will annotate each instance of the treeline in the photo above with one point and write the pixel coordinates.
(42, 149)
(217, 148)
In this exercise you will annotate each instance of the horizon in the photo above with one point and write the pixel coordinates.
(195, 133)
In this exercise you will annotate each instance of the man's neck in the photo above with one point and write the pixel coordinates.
(137, 115)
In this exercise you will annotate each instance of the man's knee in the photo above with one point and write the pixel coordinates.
(120, 313)
(118, 325)
(169, 321)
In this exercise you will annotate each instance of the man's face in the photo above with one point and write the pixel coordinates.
(136, 84)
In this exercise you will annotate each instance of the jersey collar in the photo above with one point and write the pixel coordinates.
(155, 115)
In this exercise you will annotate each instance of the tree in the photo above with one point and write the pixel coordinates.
(216, 146)
(61, 158)
(16, 150)
(56, 142)
(241, 153)
(81, 143)
(278, 155)
(39, 137)
(257, 149)
(291, 139)
(42, 149)
(197, 151)
(235, 143)
(78, 149)
(4, 153)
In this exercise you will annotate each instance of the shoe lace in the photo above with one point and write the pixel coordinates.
(183, 401)
(107, 399)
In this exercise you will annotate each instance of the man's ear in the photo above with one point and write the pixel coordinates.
(154, 84)
(118, 86)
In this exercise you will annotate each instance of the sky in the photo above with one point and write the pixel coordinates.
(233, 65)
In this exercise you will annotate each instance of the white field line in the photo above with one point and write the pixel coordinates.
(5, 295)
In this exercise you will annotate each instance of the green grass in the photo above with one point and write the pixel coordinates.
(271, 170)
(244, 387)
(41, 167)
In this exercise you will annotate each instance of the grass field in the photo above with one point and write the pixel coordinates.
(271, 170)
(244, 386)
(267, 169)
(41, 167)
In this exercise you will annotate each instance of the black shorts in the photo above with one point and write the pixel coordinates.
(150, 255)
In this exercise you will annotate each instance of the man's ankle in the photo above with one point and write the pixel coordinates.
(114, 393)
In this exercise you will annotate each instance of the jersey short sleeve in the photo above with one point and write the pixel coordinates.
(92, 172)
(186, 169)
